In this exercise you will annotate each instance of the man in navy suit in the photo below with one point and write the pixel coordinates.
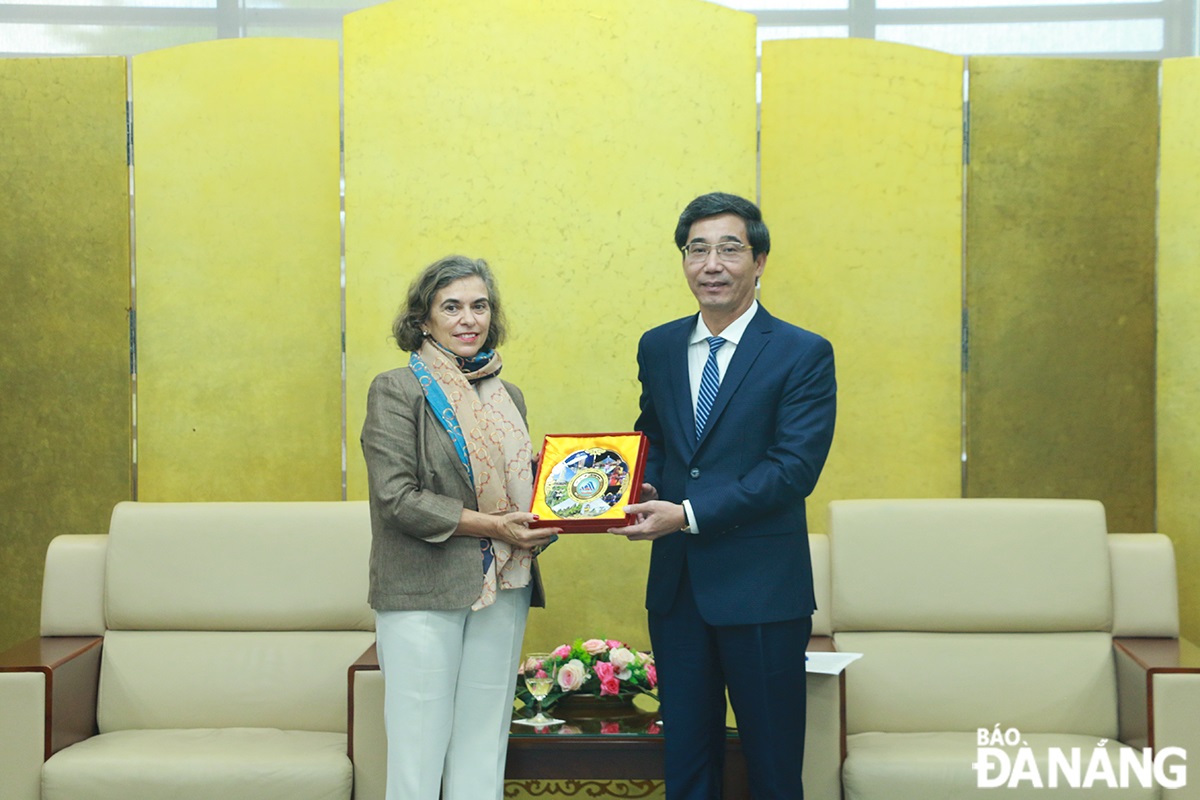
(739, 409)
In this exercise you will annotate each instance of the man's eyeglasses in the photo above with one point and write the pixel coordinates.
(728, 252)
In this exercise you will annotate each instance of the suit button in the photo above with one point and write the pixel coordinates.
(695, 473)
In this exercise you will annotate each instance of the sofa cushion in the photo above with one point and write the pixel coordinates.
(938, 766)
(238, 566)
(970, 565)
(232, 764)
(214, 679)
(909, 682)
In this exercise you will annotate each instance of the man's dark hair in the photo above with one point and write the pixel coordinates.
(714, 203)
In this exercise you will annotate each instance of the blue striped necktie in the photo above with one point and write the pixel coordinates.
(710, 380)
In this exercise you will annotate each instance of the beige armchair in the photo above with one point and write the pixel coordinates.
(196, 651)
(1018, 619)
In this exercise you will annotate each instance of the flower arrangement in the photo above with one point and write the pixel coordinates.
(599, 667)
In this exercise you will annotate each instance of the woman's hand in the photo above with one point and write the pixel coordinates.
(513, 528)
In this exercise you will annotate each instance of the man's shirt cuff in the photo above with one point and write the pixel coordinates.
(691, 518)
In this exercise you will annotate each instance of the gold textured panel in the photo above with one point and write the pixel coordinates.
(64, 325)
(1060, 282)
(1179, 329)
(236, 171)
(862, 190)
(559, 142)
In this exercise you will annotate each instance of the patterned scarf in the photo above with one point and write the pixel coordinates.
(492, 442)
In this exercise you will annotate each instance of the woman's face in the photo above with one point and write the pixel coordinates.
(460, 316)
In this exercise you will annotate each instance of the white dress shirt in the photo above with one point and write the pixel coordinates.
(697, 357)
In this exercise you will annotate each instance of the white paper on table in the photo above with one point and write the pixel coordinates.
(829, 663)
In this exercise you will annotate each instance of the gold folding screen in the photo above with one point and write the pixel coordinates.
(236, 174)
(1179, 329)
(1060, 282)
(560, 145)
(862, 188)
(64, 321)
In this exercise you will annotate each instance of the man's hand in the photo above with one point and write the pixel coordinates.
(655, 518)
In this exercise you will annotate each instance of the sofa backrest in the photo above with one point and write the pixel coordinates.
(233, 614)
(238, 566)
(974, 612)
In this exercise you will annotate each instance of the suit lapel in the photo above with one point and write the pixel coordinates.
(680, 383)
(753, 341)
(449, 455)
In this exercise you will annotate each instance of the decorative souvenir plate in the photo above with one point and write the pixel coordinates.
(585, 480)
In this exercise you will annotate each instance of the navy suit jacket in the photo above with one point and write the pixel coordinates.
(760, 455)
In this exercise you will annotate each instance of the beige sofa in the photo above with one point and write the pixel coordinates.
(1018, 619)
(196, 651)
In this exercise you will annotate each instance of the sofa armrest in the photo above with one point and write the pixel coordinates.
(47, 701)
(1159, 686)
(821, 644)
(825, 744)
(70, 670)
(366, 737)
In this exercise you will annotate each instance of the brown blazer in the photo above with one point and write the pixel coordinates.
(418, 489)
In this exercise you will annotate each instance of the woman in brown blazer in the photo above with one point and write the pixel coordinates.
(453, 559)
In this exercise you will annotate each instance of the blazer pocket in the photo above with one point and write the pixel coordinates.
(778, 525)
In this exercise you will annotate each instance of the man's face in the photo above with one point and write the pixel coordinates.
(724, 287)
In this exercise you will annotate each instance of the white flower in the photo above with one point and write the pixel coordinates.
(622, 659)
(571, 675)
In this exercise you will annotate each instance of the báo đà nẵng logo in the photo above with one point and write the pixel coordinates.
(1077, 767)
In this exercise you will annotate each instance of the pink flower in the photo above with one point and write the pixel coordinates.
(652, 675)
(595, 647)
(653, 727)
(613, 644)
(610, 727)
(608, 679)
(562, 651)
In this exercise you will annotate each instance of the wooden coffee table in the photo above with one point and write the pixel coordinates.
(602, 758)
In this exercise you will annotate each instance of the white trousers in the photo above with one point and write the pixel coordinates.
(449, 679)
